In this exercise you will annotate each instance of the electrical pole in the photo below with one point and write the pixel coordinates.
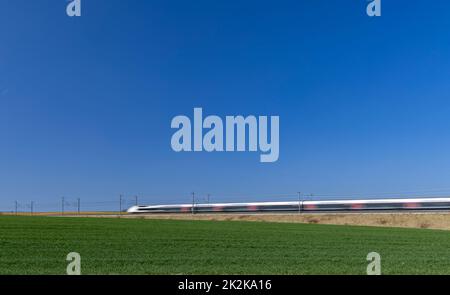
(208, 198)
(62, 206)
(136, 200)
(299, 202)
(16, 207)
(193, 203)
(31, 208)
(120, 205)
(78, 201)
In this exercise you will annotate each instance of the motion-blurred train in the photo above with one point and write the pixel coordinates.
(412, 204)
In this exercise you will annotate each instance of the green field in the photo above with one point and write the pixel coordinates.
(39, 245)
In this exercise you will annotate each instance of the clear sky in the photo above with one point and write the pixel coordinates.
(86, 103)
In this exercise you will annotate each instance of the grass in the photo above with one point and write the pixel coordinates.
(39, 245)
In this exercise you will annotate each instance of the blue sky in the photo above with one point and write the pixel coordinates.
(86, 103)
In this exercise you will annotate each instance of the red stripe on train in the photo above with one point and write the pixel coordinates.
(357, 206)
(411, 205)
(310, 207)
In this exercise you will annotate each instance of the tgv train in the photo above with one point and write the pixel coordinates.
(302, 206)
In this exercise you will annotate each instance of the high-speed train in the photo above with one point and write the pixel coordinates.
(412, 204)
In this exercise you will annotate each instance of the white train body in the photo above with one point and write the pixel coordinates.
(412, 204)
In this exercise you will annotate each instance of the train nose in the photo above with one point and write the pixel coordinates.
(133, 209)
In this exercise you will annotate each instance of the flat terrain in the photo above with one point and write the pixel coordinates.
(39, 245)
(431, 220)
(421, 219)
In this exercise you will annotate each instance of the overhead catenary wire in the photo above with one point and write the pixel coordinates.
(73, 205)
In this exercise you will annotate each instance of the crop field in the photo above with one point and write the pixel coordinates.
(39, 245)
